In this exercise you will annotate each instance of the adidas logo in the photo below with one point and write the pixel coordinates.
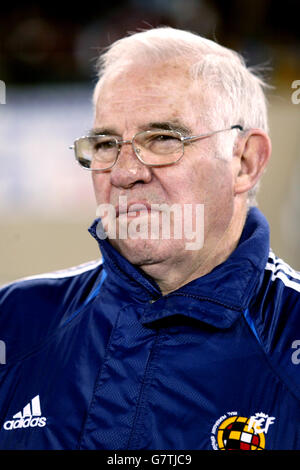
(30, 417)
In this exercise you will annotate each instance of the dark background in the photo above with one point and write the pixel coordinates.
(56, 42)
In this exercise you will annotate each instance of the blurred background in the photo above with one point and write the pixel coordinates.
(47, 63)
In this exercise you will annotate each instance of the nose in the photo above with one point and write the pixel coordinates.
(128, 170)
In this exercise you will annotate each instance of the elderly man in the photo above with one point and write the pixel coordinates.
(176, 339)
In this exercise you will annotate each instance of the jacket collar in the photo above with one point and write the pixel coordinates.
(228, 288)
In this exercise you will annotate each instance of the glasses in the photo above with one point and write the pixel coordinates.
(152, 148)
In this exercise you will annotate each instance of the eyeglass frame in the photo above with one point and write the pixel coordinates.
(119, 143)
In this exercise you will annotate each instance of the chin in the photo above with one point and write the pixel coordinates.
(141, 252)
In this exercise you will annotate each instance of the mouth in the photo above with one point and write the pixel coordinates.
(134, 209)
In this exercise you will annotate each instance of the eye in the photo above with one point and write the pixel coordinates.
(103, 144)
(163, 142)
(161, 139)
(164, 137)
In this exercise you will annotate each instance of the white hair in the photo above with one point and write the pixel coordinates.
(237, 90)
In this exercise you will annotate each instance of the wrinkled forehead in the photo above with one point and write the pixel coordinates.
(142, 81)
(156, 73)
(166, 90)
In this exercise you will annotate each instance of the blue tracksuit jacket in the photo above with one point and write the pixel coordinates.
(96, 358)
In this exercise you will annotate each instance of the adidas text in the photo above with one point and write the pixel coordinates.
(24, 423)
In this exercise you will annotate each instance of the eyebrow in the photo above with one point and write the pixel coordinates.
(173, 125)
(101, 131)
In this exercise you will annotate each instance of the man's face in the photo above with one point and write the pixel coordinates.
(162, 96)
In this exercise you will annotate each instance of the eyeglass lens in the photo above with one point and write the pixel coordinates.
(151, 147)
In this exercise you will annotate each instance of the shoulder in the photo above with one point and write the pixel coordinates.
(33, 307)
(281, 291)
(48, 286)
(278, 299)
(283, 275)
(276, 315)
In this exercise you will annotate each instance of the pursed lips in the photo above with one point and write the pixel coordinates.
(133, 208)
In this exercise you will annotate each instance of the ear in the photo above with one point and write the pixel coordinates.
(252, 152)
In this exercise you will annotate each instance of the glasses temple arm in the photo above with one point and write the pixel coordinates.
(193, 137)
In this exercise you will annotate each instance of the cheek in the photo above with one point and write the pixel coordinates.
(219, 199)
(218, 184)
(101, 187)
(207, 182)
(211, 183)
